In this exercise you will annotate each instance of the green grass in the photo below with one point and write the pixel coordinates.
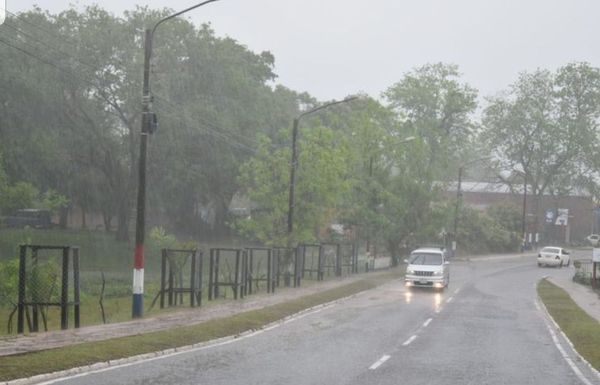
(582, 330)
(30, 364)
(99, 253)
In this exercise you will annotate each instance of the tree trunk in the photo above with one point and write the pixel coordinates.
(122, 222)
(83, 219)
(107, 219)
(63, 217)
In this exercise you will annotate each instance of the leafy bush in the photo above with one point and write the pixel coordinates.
(18, 196)
(491, 231)
(9, 282)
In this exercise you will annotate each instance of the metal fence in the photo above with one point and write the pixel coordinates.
(44, 275)
(53, 293)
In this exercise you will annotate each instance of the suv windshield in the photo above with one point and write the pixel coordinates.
(425, 259)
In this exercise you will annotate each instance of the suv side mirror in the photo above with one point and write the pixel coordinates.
(406, 261)
(446, 263)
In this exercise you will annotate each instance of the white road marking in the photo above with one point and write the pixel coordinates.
(456, 291)
(449, 299)
(566, 357)
(427, 322)
(410, 340)
(379, 362)
(560, 348)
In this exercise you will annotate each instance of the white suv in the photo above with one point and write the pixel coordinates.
(427, 267)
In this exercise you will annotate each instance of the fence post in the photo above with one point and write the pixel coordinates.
(210, 275)
(193, 280)
(338, 260)
(22, 285)
(237, 272)
(76, 287)
(163, 276)
(320, 265)
(64, 298)
(199, 272)
(269, 270)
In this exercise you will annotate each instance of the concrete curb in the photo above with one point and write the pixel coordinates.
(557, 327)
(105, 365)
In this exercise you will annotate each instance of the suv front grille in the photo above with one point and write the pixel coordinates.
(424, 273)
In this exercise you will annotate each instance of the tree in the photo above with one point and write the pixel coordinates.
(432, 103)
(82, 72)
(539, 130)
(322, 184)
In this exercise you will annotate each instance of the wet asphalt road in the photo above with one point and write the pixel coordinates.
(484, 329)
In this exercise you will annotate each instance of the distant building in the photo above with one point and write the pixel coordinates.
(566, 218)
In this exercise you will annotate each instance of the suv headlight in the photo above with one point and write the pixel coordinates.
(409, 271)
(438, 273)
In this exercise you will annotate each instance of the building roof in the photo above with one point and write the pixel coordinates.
(503, 188)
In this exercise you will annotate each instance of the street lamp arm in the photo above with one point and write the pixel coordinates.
(140, 220)
(294, 162)
(180, 13)
(326, 105)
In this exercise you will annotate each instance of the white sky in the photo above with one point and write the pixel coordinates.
(332, 48)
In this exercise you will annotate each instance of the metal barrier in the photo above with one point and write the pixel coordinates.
(220, 259)
(288, 265)
(260, 267)
(310, 261)
(37, 284)
(172, 284)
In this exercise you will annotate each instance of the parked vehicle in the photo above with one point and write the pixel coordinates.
(553, 256)
(427, 267)
(593, 239)
(36, 218)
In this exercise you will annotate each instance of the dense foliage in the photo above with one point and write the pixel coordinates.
(70, 110)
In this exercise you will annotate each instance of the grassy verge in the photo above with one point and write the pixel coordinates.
(582, 330)
(30, 364)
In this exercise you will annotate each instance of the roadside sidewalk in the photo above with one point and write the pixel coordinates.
(583, 296)
(10, 345)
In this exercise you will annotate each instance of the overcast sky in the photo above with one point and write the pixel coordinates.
(332, 48)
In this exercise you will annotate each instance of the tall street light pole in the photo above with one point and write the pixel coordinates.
(524, 213)
(294, 162)
(148, 127)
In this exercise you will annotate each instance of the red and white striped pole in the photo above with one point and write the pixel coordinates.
(140, 223)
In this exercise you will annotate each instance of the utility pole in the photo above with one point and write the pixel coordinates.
(290, 218)
(524, 215)
(140, 220)
(148, 127)
(457, 211)
(294, 161)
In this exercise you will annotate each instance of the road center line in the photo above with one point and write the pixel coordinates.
(427, 322)
(409, 341)
(379, 362)
(456, 291)
(449, 299)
